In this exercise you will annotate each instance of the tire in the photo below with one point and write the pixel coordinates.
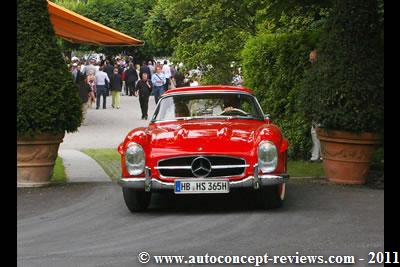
(272, 197)
(135, 200)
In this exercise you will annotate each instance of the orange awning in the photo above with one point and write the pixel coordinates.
(79, 29)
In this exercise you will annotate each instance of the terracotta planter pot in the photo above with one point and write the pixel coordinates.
(36, 158)
(346, 155)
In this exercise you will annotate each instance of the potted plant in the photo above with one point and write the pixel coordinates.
(343, 90)
(48, 102)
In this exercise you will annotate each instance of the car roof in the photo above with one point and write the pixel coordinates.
(210, 88)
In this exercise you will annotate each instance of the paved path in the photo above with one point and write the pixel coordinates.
(106, 128)
(103, 128)
(88, 224)
(79, 167)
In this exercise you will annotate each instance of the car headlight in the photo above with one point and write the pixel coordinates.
(134, 159)
(267, 156)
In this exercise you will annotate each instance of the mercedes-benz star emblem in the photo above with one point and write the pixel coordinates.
(201, 167)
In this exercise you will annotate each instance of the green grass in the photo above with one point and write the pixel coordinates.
(108, 158)
(59, 172)
(305, 169)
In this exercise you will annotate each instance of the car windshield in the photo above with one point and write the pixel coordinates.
(208, 106)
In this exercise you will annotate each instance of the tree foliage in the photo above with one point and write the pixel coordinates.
(126, 16)
(47, 99)
(207, 34)
(344, 90)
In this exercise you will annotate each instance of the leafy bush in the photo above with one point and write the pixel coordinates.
(344, 90)
(273, 66)
(47, 98)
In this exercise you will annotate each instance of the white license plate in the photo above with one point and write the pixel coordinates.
(201, 186)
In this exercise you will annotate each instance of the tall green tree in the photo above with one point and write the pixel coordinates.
(207, 34)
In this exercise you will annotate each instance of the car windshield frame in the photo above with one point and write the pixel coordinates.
(252, 98)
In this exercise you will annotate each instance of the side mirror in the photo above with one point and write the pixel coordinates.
(267, 118)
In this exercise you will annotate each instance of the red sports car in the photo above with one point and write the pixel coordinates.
(204, 140)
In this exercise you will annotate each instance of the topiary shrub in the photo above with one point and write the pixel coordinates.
(47, 99)
(273, 67)
(344, 89)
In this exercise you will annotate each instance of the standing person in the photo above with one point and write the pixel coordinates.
(101, 89)
(79, 75)
(91, 68)
(116, 87)
(151, 67)
(158, 80)
(179, 78)
(316, 146)
(92, 95)
(167, 72)
(194, 82)
(130, 79)
(137, 72)
(124, 88)
(143, 88)
(173, 72)
(108, 68)
(102, 60)
(145, 69)
(84, 93)
(130, 59)
(74, 71)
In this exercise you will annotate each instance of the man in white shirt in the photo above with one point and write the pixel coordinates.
(167, 72)
(102, 80)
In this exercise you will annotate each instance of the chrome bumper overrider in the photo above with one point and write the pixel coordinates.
(149, 184)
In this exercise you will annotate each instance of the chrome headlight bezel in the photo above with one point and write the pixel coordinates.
(267, 154)
(135, 160)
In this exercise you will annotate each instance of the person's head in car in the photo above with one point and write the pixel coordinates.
(181, 110)
(231, 101)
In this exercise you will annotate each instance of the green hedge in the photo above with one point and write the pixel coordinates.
(273, 67)
(47, 98)
(344, 90)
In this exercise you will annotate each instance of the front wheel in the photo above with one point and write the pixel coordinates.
(136, 200)
(272, 197)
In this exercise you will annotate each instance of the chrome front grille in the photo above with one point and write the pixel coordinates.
(184, 167)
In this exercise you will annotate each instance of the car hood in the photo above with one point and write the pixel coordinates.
(209, 137)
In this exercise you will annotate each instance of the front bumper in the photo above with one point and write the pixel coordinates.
(149, 184)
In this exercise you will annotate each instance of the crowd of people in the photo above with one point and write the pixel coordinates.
(97, 79)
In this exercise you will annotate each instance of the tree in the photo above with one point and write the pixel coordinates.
(47, 99)
(126, 16)
(206, 34)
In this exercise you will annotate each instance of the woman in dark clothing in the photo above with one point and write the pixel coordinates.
(143, 87)
(130, 78)
(179, 78)
(116, 88)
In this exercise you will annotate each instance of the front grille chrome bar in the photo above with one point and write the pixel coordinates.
(215, 167)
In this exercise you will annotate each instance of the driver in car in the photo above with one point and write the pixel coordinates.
(231, 102)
